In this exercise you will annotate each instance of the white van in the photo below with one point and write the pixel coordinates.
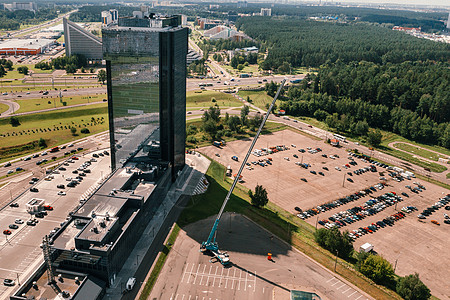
(130, 283)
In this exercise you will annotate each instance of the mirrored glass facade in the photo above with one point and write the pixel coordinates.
(146, 69)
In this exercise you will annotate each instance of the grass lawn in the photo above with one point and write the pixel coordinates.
(419, 151)
(278, 221)
(27, 105)
(54, 127)
(203, 99)
(3, 108)
(159, 263)
(205, 140)
(250, 69)
(259, 98)
(30, 87)
(389, 137)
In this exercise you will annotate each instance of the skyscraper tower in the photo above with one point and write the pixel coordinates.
(146, 70)
(448, 21)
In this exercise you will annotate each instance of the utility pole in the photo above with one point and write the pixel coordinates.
(335, 262)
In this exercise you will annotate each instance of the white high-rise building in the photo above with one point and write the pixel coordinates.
(266, 12)
(448, 21)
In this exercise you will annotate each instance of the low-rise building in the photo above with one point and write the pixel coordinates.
(25, 46)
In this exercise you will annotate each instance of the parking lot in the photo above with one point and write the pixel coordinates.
(188, 274)
(20, 250)
(411, 244)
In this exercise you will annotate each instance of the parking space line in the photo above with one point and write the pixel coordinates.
(215, 274)
(330, 279)
(184, 273)
(190, 273)
(346, 290)
(358, 297)
(340, 286)
(246, 276)
(335, 283)
(351, 294)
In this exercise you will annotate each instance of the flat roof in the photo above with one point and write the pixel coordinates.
(101, 225)
(101, 205)
(25, 43)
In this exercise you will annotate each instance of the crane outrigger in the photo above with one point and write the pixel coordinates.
(210, 244)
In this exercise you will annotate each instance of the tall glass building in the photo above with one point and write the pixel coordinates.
(146, 69)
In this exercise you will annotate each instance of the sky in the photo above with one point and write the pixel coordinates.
(445, 3)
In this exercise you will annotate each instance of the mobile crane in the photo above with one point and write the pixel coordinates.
(210, 245)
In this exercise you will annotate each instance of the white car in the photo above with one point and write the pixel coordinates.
(61, 193)
(18, 221)
(69, 179)
(337, 168)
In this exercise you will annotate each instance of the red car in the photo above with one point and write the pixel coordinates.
(48, 207)
(75, 158)
(7, 231)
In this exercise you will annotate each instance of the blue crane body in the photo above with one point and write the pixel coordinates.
(210, 244)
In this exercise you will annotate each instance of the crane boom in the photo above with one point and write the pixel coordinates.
(211, 243)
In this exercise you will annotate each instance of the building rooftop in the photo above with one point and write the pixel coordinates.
(25, 43)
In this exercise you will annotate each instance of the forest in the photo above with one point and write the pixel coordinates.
(368, 76)
(11, 20)
(311, 43)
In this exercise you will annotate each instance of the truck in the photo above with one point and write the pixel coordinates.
(130, 283)
(365, 248)
(228, 171)
(235, 158)
(54, 149)
(217, 143)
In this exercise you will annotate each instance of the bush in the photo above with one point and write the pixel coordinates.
(42, 143)
(85, 130)
(379, 270)
(259, 198)
(73, 130)
(14, 121)
(412, 288)
(334, 241)
(191, 139)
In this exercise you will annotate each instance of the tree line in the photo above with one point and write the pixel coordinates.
(11, 20)
(68, 63)
(307, 43)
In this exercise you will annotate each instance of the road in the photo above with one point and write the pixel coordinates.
(20, 253)
(14, 185)
(33, 28)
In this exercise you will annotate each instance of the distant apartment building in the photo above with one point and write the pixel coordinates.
(110, 17)
(407, 29)
(266, 12)
(32, 6)
(79, 41)
(224, 32)
(206, 24)
(448, 21)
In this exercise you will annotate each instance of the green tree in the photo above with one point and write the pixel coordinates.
(233, 123)
(240, 67)
(244, 114)
(210, 127)
(8, 64)
(101, 76)
(361, 128)
(14, 121)
(213, 113)
(23, 70)
(334, 241)
(259, 198)
(42, 143)
(2, 71)
(412, 288)
(73, 130)
(374, 137)
(378, 269)
(71, 68)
